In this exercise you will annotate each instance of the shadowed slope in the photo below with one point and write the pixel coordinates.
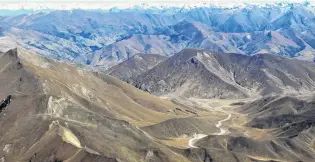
(204, 74)
(135, 66)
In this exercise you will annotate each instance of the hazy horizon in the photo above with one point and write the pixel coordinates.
(107, 4)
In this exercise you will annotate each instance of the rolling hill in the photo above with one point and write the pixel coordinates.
(57, 114)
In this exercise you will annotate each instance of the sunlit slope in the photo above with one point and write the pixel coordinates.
(61, 112)
(113, 97)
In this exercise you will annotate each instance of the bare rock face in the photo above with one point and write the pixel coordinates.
(205, 74)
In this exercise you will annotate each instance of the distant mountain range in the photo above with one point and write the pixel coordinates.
(103, 39)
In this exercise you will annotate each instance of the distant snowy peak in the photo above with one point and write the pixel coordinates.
(154, 5)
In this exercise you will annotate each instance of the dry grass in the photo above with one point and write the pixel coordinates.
(121, 99)
(176, 142)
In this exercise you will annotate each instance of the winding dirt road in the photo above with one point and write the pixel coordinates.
(199, 136)
(222, 130)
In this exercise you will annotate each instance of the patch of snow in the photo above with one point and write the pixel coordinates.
(206, 54)
(91, 151)
(69, 137)
(249, 36)
(56, 106)
(149, 155)
(7, 148)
